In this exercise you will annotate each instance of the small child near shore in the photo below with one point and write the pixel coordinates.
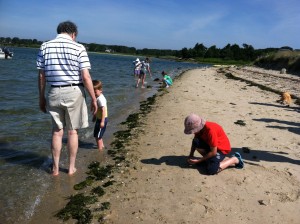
(212, 143)
(101, 116)
(167, 79)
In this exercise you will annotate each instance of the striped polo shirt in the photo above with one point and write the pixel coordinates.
(62, 59)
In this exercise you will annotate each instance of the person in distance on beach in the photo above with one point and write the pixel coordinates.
(137, 67)
(146, 67)
(140, 72)
(167, 79)
(212, 143)
(64, 65)
(101, 117)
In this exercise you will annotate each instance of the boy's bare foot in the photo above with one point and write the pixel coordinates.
(72, 172)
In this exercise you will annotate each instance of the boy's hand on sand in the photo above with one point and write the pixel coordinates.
(192, 161)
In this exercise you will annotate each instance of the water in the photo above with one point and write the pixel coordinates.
(26, 132)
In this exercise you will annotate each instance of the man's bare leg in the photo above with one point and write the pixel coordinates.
(56, 145)
(73, 148)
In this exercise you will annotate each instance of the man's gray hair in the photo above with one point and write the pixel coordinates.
(67, 27)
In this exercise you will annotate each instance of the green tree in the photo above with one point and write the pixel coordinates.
(212, 52)
(200, 50)
(226, 52)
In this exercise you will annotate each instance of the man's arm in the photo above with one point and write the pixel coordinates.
(88, 84)
(42, 87)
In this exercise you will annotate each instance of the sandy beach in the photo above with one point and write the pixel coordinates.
(160, 187)
(156, 185)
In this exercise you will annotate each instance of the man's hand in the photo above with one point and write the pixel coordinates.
(94, 107)
(43, 107)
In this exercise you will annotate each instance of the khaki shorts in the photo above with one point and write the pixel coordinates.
(67, 107)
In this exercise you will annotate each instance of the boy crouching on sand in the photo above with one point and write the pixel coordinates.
(167, 79)
(101, 115)
(212, 143)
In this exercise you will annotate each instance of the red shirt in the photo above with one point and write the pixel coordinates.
(214, 135)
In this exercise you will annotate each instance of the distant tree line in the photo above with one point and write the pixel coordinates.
(199, 52)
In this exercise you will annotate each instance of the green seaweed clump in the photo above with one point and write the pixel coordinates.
(126, 134)
(104, 206)
(111, 152)
(98, 191)
(100, 173)
(87, 182)
(132, 120)
(108, 183)
(145, 106)
(117, 144)
(119, 159)
(240, 122)
(77, 209)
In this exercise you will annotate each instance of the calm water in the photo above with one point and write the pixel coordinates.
(25, 131)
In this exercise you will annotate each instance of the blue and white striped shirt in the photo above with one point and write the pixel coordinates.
(62, 59)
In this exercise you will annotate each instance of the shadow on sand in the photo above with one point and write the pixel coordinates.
(249, 156)
(285, 125)
(179, 161)
(256, 155)
(295, 108)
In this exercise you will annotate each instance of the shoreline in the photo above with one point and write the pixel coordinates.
(154, 184)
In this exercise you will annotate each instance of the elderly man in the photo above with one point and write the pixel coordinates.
(64, 65)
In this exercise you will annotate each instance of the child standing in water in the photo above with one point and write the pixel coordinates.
(101, 115)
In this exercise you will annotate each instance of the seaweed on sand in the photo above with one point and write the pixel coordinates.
(105, 206)
(100, 173)
(87, 182)
(77, 208)
(132, 120)
(108, 183)
(240, 122)
(120, 138)
(145, 106)
(98, 191)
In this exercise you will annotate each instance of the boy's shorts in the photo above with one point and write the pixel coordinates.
(98, 131)
(137, 72)
(212, 164)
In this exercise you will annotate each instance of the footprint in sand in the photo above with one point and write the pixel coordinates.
(271, 185)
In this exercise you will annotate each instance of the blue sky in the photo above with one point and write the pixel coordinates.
(159, 24)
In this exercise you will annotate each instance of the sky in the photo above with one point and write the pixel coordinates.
(158, 24)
